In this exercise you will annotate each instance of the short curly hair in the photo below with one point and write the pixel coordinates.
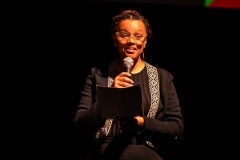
(132, 15)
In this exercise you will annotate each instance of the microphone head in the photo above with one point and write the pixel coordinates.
(128, 62)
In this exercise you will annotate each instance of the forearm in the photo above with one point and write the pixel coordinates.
(155, 128)
(87, 116)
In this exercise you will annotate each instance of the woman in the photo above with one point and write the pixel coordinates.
(139, 137)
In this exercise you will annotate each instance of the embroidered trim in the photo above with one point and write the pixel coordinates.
(154, 91)
(112, 73)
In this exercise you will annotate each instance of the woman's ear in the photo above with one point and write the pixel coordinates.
(144, 44)
(114, 39)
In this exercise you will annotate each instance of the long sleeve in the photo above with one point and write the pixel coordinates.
(168, 122)
(88, 113)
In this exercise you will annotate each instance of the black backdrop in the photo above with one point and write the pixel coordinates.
(47, 51)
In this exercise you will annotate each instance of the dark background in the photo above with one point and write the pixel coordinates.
(47, 51)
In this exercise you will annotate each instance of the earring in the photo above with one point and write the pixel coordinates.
(142, 56)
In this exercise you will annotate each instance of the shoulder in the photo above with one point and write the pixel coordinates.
(99, 70)
(102, 69)
(160, 70)
(163, 73)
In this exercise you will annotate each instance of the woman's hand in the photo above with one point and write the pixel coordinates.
(140, 121)
(127, 123)
(122, 80)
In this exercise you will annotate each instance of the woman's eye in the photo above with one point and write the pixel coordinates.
(124, 35)
(138, 36)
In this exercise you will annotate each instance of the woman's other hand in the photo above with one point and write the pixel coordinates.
(127, 123)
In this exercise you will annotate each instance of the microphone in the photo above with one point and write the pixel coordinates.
(128, 63)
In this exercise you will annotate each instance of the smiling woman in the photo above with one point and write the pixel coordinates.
(139, 137)
(130, 41)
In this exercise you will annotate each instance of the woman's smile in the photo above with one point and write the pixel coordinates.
(130, 50)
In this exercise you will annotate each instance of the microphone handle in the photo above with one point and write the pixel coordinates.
(128, 69)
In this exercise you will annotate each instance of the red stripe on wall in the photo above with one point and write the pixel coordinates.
(225, 4)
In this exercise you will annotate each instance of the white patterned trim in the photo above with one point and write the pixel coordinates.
(154, 91)
(112, 73)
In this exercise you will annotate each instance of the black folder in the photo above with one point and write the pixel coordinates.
(120, 102)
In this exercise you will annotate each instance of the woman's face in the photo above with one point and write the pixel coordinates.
(130, 39)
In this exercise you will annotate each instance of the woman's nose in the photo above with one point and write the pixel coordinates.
(131, 39)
